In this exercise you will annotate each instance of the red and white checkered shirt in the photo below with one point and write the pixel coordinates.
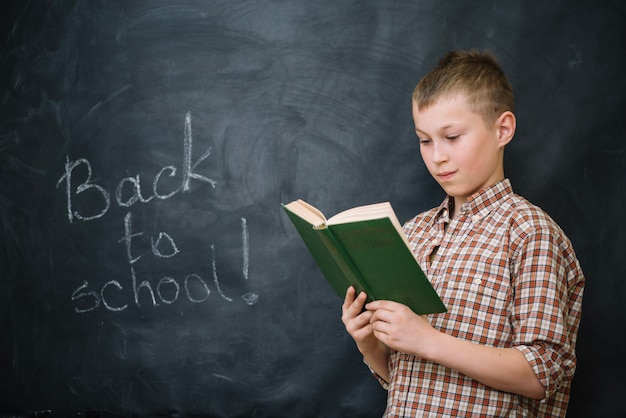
(510, 278)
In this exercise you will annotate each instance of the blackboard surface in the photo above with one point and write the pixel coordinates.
(146, 268)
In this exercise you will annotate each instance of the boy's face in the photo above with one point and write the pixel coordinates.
(460, 150)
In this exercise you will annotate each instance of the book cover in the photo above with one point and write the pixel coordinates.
(369, 254)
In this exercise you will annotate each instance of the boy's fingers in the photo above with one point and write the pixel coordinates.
(383, 304)
(352, 302)
(359, 302)
(350, 298)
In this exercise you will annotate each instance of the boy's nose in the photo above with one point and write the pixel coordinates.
(439, 153)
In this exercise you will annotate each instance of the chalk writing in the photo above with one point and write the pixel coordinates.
(117, 295)
(249, 298)
(134, 182)
(215, 279)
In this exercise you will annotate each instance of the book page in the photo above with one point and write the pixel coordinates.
(374, 211)
(307, 212)
(361, 213)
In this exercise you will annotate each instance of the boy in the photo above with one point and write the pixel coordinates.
(505, 270)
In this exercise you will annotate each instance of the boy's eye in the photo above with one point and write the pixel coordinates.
(423, 140)
(452, 137)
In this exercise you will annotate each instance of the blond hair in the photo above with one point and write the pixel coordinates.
(475, 74)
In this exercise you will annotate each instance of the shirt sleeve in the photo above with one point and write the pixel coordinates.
(547, 282)
(382, 381)
(390, 363)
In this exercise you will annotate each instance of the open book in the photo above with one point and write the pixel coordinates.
(365, 247)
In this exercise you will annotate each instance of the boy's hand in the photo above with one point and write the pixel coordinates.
(398, 327)
(357, 321)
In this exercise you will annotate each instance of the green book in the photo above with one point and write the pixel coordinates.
(365, 247)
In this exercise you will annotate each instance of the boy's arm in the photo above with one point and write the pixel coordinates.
(505, 369)
(358, 324)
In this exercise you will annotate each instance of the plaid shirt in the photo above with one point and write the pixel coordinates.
(510, 278)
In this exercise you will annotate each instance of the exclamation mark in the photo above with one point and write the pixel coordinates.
(249, 298)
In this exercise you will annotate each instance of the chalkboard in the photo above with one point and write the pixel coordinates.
(146, 268)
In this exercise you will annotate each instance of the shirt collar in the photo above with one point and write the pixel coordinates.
(479, 204)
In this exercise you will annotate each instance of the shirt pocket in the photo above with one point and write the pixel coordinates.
(478, 286)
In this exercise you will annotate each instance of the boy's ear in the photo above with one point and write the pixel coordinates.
(505, 125)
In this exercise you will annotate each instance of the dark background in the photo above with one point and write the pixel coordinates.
(288, 99)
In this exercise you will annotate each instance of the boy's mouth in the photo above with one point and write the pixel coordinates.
(445, 175)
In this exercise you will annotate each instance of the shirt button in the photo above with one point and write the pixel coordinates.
(477, 281)
(475, 219)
